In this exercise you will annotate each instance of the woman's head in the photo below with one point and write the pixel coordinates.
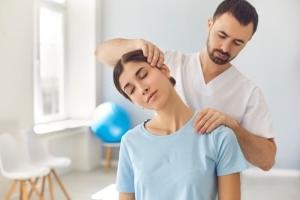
(141, 83)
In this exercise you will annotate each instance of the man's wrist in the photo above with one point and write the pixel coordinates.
(234, 125)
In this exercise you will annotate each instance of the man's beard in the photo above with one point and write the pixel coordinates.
(218, 56)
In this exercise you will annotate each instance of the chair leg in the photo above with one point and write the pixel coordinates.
(33, 188)
(50, 187)
(21, 190)
(11, 190)
(60, 184)
(108, 158)
(24, 193)
(43, 185)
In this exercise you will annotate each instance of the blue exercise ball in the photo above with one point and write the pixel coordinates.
(110, 122)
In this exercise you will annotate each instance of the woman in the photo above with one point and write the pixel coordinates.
(164, 158)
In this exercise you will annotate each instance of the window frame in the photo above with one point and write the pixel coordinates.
(39, 117)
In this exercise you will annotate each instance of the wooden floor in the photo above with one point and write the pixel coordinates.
(81, 185)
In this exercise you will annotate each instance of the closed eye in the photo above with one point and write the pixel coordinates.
(132, 90)
(222, 36)
(129, 89)
(142, 74)
(237, 43)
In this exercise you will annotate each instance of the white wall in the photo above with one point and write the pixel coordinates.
(81, 84)
(16, 78)
(270, 59)
(16, 82)
(16, 43)
(79, 144)
(81, 39)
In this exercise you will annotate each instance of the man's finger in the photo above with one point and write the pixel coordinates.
(145, 50)
(201, 121)
(161, 60)
(150, 53)
(155, 57)
(200, 116)
(214, 125)
(207, 124)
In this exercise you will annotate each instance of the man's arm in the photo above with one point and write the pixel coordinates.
(110, 51)
(126, 196)
(257, 150)
(229, 187)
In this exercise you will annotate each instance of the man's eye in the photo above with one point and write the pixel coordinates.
(222, 36)
(237, 44)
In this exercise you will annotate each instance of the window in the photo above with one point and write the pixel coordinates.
(64, 67)
(50, 58)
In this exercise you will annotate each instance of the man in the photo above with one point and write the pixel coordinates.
(207, 81)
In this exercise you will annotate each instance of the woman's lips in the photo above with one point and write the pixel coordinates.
(151, 95)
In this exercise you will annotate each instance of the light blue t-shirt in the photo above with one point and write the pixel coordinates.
(181, 166)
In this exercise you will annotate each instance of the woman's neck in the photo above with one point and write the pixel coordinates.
(171, 117)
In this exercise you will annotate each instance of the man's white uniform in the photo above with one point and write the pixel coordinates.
(230, 92)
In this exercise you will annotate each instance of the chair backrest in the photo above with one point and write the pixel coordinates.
(12, 154)
(37, 147)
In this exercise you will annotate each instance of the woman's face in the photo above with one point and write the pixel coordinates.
(146, 86)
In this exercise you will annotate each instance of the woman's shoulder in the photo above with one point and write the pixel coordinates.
(223, 133)
(133, 133)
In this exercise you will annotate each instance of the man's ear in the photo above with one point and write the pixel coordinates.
(210, 23)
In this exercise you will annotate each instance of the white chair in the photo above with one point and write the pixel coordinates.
(15, 165)
(40, 155)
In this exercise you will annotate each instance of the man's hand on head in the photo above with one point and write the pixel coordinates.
(155, 57)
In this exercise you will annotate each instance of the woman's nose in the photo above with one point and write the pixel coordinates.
(145, 90)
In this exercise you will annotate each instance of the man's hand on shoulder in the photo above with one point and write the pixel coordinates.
(209, 119)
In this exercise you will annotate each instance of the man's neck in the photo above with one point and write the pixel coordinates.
(210, 70)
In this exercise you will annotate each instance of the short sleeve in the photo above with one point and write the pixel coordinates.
(125, 176)
(229, 157)
(257, 118)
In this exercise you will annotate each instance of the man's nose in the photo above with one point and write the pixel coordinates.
(226, 46)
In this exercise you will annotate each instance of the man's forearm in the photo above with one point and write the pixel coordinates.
(258, 151)
(110, 51)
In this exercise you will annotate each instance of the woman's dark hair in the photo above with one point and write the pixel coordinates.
(241, 10)
(132, 56)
